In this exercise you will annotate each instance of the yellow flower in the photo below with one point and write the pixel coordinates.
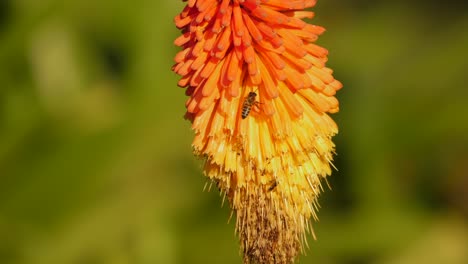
(259, 94)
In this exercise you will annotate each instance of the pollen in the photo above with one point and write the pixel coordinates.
(272, 163)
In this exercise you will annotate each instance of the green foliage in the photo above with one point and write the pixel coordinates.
(95, 157)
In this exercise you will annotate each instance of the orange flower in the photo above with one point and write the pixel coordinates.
(259, 55)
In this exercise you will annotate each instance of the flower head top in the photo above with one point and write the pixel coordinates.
(258, 94)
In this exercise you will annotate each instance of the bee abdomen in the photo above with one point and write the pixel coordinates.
(245, 111)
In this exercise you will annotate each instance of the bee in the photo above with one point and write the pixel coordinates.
(273, 186)
(249, 102)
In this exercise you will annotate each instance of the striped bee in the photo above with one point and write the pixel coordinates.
(273, 185)
(249, 102)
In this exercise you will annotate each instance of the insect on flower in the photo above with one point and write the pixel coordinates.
(273, 185)
(249, 102)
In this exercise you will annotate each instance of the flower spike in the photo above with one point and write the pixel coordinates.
(259, 98)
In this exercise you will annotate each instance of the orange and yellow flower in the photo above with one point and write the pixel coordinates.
(270, 164)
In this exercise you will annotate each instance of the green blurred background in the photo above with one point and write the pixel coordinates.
(95, 157)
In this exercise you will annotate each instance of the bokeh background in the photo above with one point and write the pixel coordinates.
(95, 157)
